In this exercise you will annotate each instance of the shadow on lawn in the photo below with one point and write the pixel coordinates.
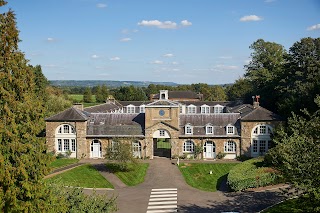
(237, 202)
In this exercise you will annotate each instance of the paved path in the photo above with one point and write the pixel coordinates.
(162, 174)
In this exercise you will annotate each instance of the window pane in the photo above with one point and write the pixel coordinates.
(59, 145)
(73, 145)
(263, 130)
(255, 146)
(65, 128)
(262, 146)
(66, 145)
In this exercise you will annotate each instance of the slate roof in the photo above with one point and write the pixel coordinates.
(106, 107)
(116, 124)
(163, 103)
(218, 121)
(261, 114)
(71, 114)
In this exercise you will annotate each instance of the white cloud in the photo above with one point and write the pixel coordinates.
(157, 62)
(225, 67)
(101, 5)
(314, 27)
(115, 59)
(251, 18)
(186, 23)
(168, 55)
(175, 63)
(95, 56)
(225, 57)
(164, 24)
(125, 39)
(51, 39)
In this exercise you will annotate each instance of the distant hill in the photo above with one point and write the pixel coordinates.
(110, 84)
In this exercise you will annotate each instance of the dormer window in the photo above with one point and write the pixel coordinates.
(218, 109)
(209, 129)
(191, 109)
(142, 108)
(230, 130)
(205, 109)
(188, 129)
(130, 109)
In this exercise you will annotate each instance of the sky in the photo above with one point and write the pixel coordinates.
(181, 41)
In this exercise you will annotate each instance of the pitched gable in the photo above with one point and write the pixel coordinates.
(71, 114)
(261, 114)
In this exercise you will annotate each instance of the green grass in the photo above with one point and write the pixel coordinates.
(197, 174)
(79, 97)
(163, 145)
(61, 162)
(133, 176)
(296, 205)
(83, 176)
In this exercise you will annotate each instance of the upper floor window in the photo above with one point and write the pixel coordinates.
(142, 108)
(191, 109)
(66, 129)
(230, 129)
(205, 109)
(209, 129)
(130, 109)
(162, 132)
(218, 109)
(188, 129)
(262, 130)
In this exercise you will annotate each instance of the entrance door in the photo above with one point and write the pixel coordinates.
(95, 149)
(162, 147)
(209, 150)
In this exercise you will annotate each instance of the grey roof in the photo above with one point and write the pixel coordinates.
(209, 103)
(135, 103)
(71, 114)
(117, 124)
(218, 121)
(106, 107)
(163, 103)
(261, 114)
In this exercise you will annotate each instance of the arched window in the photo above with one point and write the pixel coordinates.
(229, 147)
(188, 146)
(66, 139)
(261, 140)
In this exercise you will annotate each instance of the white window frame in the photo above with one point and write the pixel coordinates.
(188, 129)
(131, 109)
(230, 147)
(192, 109)
(209, 130)
(261, 140)
(142, 108)
(230, 130)
(188, 146)
(205, 109)
(218, 109)
(65, 139)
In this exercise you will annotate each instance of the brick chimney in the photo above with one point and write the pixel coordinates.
(78, 106)
(255, 101)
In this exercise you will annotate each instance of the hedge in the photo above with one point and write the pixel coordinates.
(251, 174)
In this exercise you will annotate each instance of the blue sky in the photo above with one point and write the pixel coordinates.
(182, 41)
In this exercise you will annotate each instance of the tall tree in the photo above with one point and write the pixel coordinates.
(87, 95)
(240, 90)
(265, 69)
(23, 161)
(297, 154)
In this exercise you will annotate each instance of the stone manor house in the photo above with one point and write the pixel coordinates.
(171, 124)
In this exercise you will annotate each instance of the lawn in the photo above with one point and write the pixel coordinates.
(83, 176)
(295, 205)
(133, 176)
(198, 175)
(61, 162)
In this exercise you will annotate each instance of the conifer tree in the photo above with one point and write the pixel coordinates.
(23, 161)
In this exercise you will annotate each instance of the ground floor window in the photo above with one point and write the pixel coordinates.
(260, 147)
(230, 147)
(188, 146)
(136, 149)
(66, 144)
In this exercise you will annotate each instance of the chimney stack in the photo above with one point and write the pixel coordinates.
(256, 101)
(78, 106)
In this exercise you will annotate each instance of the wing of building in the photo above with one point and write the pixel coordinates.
(167, 127)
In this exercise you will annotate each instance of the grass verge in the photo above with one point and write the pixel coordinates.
(134, 176)
(198, 175)
(61, 162)
(83, 176)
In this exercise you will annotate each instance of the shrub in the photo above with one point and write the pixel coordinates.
(251, 174)
(221, 155)
(243, 158)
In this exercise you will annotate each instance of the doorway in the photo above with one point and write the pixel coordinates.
(209, 149)
(162, 147)
(95, 151)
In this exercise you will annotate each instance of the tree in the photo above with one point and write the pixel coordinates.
(23, 158)
(87, 95)
(121, 152)
(265, 71)
(297, 153)
(240, 90)
(99, 95)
